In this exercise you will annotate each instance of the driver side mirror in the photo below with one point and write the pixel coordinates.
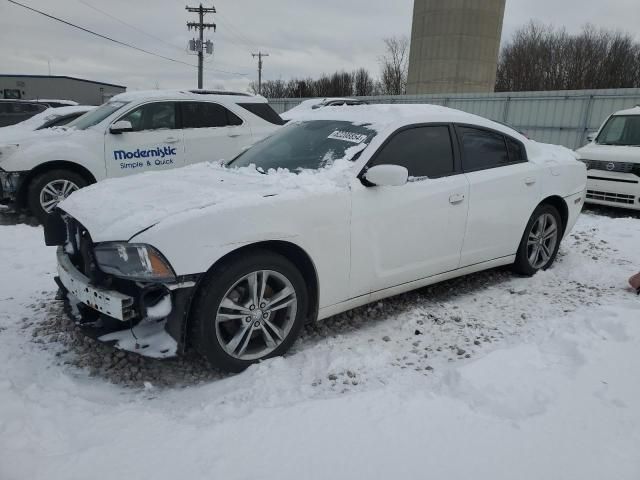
(121, 126)
(387, 176)
(591, 136)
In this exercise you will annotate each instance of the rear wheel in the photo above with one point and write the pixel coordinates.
(540, 242)
(250, 308)
(50, 188)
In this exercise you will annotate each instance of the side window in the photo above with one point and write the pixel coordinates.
(482, 149)
(207, 115)
(516, 151)
(152, 116)
(424, 151)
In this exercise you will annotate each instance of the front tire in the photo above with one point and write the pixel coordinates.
(48, 189)
(250, 308)
(540, 242)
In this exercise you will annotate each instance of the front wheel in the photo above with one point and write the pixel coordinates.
(50, 188)
(249, 309)
(540, 242)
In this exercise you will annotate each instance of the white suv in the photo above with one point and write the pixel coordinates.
(132, 133)
(613, 161)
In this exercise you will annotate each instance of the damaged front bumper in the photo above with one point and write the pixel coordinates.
(147, 319)
(10, 184)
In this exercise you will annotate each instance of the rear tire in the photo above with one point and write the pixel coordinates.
(540, 241)
(49, 188)
(250, 308)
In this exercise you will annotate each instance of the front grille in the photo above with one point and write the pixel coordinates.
(611, 197)
(623, 167)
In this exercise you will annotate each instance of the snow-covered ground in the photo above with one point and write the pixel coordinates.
(490, 376)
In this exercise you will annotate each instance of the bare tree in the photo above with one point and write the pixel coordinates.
(394, 65)
(363, 83)
(540, 57)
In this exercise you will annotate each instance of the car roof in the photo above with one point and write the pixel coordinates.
(222, 96)
(382, 116)
(630, 111)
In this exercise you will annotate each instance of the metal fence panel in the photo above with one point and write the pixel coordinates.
(561, 117)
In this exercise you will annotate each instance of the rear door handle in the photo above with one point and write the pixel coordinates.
(172, 139)
(529, 180)
(233, 135)
(456, 198)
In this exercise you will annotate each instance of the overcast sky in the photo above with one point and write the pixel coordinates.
(303, 37)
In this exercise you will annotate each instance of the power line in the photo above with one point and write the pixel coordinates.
(113, 40)
(107, 14)
(236, 32)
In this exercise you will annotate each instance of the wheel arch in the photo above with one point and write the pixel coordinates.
(296, 254)
(562, 207)
(21, 198)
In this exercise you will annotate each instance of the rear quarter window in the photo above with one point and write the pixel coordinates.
(264, 111)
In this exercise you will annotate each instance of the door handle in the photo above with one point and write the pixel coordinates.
(529, 180)
(233, 135)
(456, 198)
(171, 139)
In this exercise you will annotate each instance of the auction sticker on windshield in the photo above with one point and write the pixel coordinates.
(348, 136)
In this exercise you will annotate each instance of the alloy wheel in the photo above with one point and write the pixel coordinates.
(256, 315)
(54, 192)
(542, 240)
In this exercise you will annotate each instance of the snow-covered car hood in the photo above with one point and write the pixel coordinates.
(119, 208)
(609, 153)
(21, 135)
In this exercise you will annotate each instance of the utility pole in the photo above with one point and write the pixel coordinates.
(199, 45)
(259, 55)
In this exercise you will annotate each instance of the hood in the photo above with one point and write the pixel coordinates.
(118, 209)
(22, 135)
(609, 153)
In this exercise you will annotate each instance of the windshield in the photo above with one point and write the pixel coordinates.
(96, 116)
(308, 145)
(621, 130)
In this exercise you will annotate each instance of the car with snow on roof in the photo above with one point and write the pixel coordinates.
(133, 132)
(343, 208)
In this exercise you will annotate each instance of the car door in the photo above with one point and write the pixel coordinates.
(503, 192)
(155, 142)
(406, 233)
(212, 132)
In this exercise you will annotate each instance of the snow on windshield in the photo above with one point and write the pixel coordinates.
(307, 145)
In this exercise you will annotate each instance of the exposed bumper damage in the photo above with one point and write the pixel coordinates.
(144, 318)
(10, 184)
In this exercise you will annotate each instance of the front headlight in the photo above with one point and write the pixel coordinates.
(134, 261)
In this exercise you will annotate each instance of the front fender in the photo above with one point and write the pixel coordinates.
(31, 156)
(195, 240)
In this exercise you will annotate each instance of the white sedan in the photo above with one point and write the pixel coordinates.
(345, 208)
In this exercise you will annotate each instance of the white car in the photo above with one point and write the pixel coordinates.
(132, 133)
(301, 110)
(613, 161)
(325, 215)
(51, 117)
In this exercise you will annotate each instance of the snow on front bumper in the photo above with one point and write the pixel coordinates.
(616, 189)
(109, 315)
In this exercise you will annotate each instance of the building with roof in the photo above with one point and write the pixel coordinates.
(35, 87)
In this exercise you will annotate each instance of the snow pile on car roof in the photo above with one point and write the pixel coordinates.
(180, 94)
(382, 116)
